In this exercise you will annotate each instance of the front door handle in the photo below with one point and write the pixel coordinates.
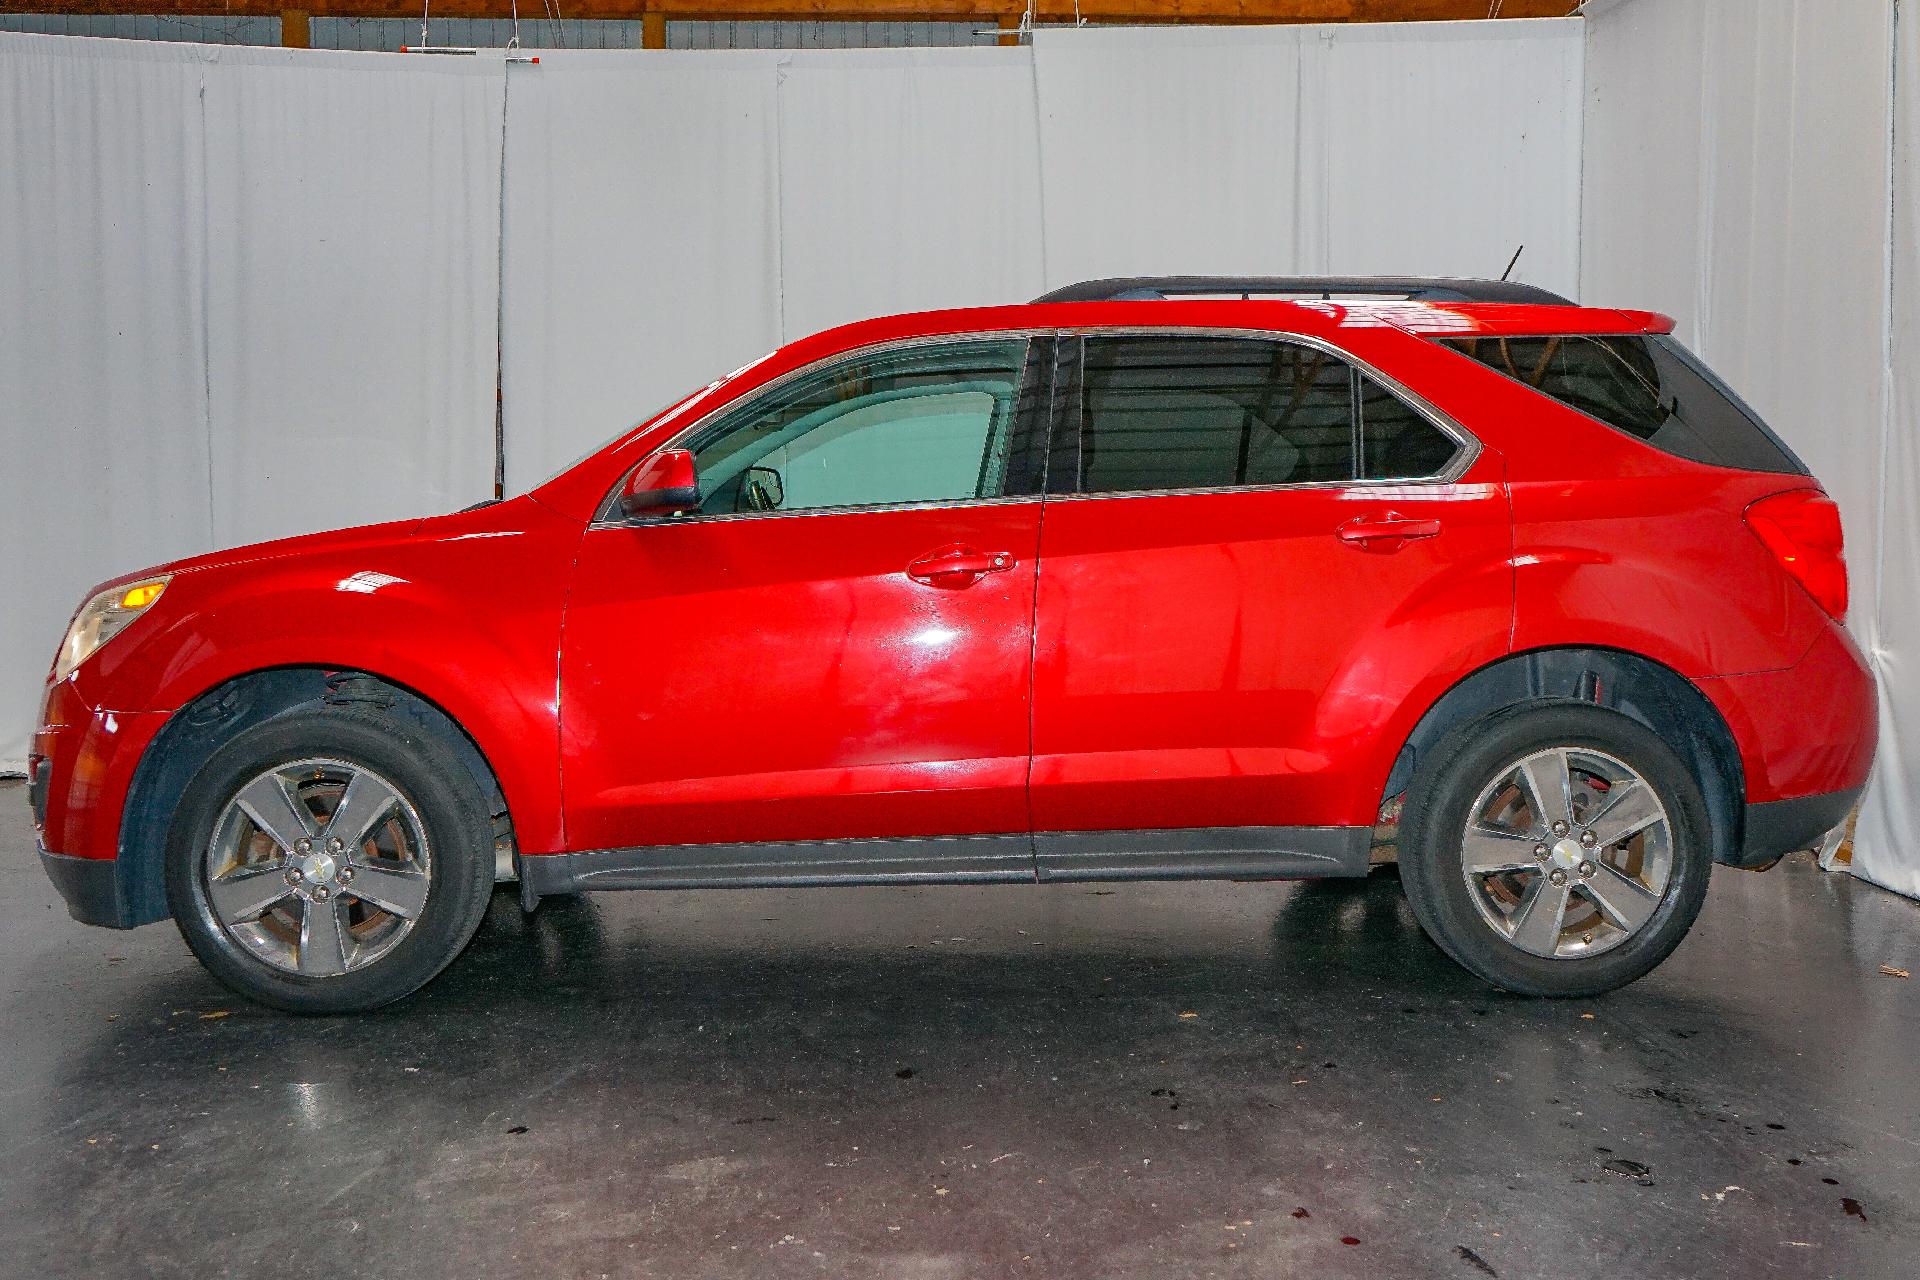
(1387, 532)
(958, 565)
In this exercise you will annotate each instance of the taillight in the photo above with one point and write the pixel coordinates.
(1802, 529)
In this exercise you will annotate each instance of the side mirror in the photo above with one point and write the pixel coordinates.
(761, 489)
(662, 485)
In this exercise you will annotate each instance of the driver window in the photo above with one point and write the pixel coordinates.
(928, 423)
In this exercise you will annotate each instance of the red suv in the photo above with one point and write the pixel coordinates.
(1178, 578)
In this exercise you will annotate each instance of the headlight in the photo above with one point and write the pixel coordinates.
(104, 617)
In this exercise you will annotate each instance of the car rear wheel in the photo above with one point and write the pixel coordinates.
(1559, 850)
(329, 860)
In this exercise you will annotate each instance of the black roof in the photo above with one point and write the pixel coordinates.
(1415, 288)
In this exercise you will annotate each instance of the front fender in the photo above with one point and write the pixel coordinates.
(464, 610)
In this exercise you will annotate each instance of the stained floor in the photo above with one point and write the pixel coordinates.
(1154, 1080)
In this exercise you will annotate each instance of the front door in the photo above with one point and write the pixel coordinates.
(1257, 555)
(837, 643)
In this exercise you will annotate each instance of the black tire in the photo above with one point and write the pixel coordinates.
(430, 777)
(1445, 786)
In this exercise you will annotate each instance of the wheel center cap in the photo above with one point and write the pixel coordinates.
(1567, 854)
(317, 868)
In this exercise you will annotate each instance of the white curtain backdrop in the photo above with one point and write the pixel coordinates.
(1738, 177)
(353, 216)
(243, 293)
(1402, 148)
(1887, 841)
(671, 216)
(103, 405)
(961, 229)
(641, 256)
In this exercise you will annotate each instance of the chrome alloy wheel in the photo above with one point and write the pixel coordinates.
(318, 867)
(1567, 852)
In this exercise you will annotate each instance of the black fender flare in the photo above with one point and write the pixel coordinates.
(214, 718)
(1637, 687)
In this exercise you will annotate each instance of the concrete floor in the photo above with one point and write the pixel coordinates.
(1163, 1080)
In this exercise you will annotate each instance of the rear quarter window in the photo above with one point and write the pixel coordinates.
(1648, 386)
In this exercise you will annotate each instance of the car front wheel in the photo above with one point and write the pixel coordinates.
(1557, 850)
(329, 860)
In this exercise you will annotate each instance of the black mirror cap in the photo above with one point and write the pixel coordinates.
(659, 502)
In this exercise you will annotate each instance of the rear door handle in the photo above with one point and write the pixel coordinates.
(1387, 531)
(958, 566)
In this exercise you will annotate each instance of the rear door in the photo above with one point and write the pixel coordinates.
(1255, 553)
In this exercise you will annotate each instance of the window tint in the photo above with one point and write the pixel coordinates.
(919, 424)
(1205, 413)
(1397, 441)
(1652, 388)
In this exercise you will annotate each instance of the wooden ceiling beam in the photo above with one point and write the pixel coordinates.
(985, 11)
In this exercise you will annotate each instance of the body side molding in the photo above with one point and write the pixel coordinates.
(1202, 853)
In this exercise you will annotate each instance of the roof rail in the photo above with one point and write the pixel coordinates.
(1413, 288)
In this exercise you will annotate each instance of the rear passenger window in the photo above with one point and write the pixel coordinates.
(1212, 413)
(1397, 441)
(1650, 387)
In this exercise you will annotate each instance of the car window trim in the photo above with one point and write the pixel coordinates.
(1467, 446)
(1036, 339)
(1056, 414)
